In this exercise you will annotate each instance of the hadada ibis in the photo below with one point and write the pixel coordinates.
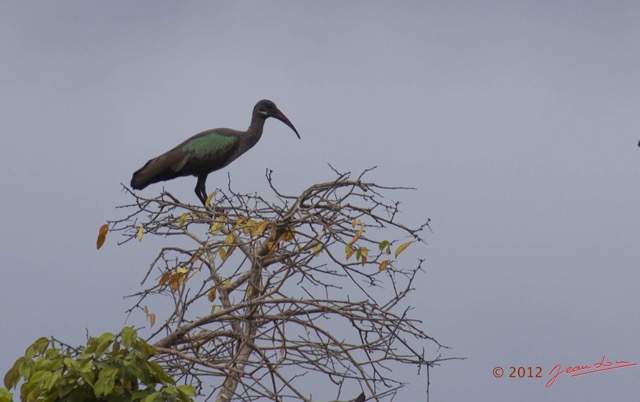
(207, 151)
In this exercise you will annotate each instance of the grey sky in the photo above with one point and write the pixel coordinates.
(516, 121)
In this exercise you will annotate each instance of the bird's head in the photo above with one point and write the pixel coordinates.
(267, 109)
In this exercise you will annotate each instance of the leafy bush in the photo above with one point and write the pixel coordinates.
(111, 368)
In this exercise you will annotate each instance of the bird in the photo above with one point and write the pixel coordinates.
(359, 398)
(208, 151)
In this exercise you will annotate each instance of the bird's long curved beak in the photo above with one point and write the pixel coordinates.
(280, 116)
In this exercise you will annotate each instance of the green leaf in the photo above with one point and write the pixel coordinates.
(5, 395)
(13, 375)
(383, 244)
(103, 342)
(188, 390)
(348, 251)
(54, 381)
(157, 370)
(106, 381)
(183, 219)
(86, 372)
(37, 348)
(26, 369)
(129, 335)
(155, 397)
(402, 247)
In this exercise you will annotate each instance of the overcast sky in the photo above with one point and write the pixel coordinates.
(517, 122)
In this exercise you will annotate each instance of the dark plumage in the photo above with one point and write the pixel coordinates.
(207, 151)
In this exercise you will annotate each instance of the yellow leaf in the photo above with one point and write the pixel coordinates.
(288, 235)
(317, 248)
(227, 283)
(354, 223)
(152, 319)
(383, 265)
(102, 235)
(358, 234)
(212, 294)
(183, 219)
(402, 247)
(248, 227)
(217, 225)
(140, 233)
(239, 222)
(259, 228)
(209, 198)
(182, 270)
(146, 310)
(223, 253)
(348, 250)
(231, 239)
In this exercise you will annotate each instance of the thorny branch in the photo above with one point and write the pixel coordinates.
(268, 294)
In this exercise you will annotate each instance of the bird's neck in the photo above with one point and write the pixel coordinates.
(255, 130)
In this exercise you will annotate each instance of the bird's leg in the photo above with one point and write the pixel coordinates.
(201, 192)
(201, 189)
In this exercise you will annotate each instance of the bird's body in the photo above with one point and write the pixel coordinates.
(207, 152)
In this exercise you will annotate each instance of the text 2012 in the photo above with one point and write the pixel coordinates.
(525, 372)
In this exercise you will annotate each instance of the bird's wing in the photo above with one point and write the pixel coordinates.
(209, 150)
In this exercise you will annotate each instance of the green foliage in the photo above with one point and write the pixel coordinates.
(111, 368)
(5, 395)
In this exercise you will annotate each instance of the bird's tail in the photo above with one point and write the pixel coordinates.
(153, 171)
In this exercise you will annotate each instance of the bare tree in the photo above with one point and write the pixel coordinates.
(273, 297)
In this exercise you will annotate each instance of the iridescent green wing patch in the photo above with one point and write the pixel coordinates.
(213, 145)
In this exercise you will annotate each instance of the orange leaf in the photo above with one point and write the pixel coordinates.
(196, 255)
(364, 252)
(152, 319)
(102, 235)
(165, 277)
(383, 265)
